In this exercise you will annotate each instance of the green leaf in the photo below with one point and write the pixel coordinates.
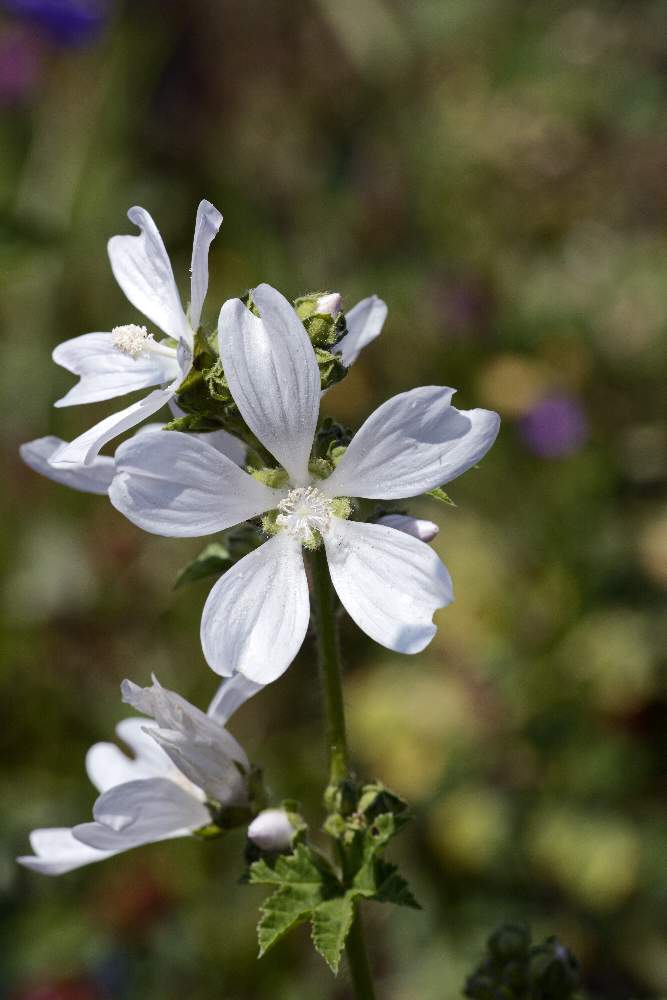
(439, 494)
(331, 921)
(392, 887)
(211, 561)
(283, 910)
(304, 880)
(302, 867)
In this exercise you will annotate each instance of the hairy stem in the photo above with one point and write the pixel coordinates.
(324, 602)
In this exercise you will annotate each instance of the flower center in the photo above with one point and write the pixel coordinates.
(304, 511)
(131, 339)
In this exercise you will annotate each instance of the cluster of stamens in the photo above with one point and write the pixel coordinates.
(305, 510)
(131, 339)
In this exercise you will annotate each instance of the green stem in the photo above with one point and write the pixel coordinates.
(330, 667)
(328, 648)
(357, 959)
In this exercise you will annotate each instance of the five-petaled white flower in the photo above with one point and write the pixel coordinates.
(130, 357)
(390, 582)
(182, 758)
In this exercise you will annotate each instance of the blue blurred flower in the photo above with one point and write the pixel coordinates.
(554, 427)
(67, 22)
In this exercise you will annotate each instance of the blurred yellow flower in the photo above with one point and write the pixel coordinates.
(594, 859)
(470, 827)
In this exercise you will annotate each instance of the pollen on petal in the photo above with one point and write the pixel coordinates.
(131, 339)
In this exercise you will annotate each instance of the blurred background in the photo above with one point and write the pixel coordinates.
(496, 170)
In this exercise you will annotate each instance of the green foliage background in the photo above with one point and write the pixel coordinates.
(496, 171)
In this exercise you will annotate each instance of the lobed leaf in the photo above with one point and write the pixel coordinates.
(331, 922)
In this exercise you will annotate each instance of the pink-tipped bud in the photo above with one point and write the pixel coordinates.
(330, 304)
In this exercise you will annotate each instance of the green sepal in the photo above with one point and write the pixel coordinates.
(192, 423)
(439, 494)
(219, 556)
(211, 561)
(332, 369)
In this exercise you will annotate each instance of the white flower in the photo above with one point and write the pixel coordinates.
(390, 583)
(129, 357)
(182, 757)
(271, 830)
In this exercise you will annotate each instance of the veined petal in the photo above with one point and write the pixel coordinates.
(256, 616)
(364, 323)
(204, 763)
(57, 852)
(425, 531)
(389, 582)
(93, 478)
(273, 376)
(412, 443)
(85, 448)
(142, 268)
(106, 372)
(207, 225)
(173, 712)
(178, 485)
(141, 812)
(232, 693)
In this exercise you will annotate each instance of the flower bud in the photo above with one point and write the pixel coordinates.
(271, 830)
(425, 531)
(330, 304)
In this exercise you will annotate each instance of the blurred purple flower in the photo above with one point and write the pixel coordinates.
(20, 65)
(555, 426)
(67, 22)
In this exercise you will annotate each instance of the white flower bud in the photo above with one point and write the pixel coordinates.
(332, 303)
(271, 830)
(425, 531)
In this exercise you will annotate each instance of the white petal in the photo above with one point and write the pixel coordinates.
(85, 448)
(93, 478)
(271, 830)
(142, 269)
(204, 763)
(178, 485)
(107, 766)
(256, 616)
(141, 812)
(58, 852)
(232, 693)
(106, 372)
(389, 583)
(364, 323)
(228, 445)
(425, 531)
(173, 712)
(412, 443)
(135, 732)
(273, 376)
(207, 225)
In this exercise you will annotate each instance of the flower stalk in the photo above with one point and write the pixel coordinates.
(328, 647)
